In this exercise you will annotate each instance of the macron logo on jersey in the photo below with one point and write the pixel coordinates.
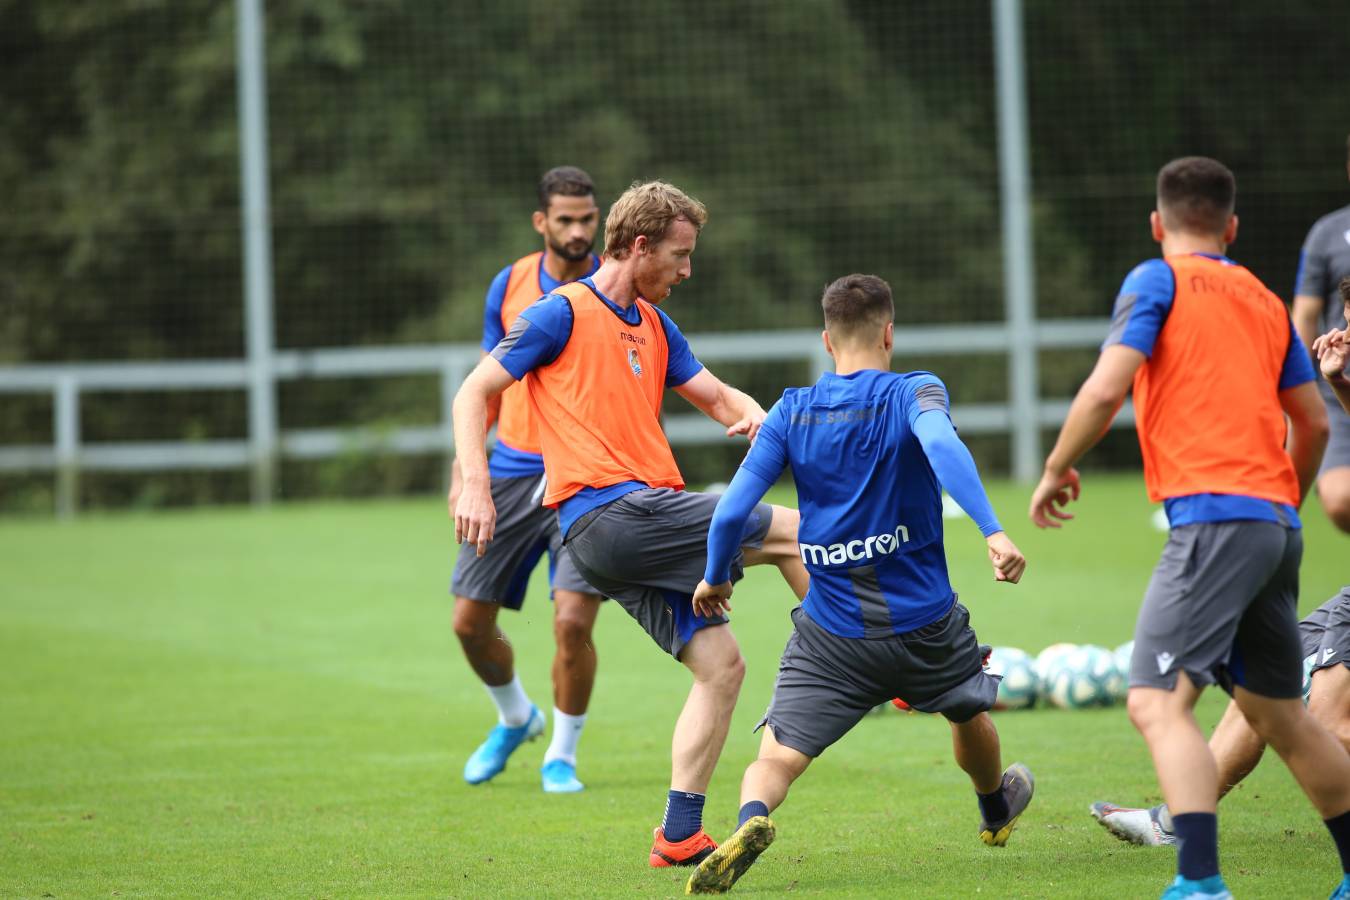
(856, 550)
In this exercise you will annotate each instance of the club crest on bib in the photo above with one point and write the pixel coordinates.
(634, 362)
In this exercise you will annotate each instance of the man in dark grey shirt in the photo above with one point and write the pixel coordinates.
(1318, 308)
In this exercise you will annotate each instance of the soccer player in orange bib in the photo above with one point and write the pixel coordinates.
(595, 357)
(1216, 367)
(567, 219)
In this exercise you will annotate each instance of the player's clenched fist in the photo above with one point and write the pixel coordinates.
(1008, 561)
(475, 516)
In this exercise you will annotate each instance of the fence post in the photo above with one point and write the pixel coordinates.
(1019, 288)
(257, 233)
(66, 426)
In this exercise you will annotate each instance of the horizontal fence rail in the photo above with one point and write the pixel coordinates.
(68, 455)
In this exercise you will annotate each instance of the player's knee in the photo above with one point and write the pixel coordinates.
(1329, 701)
(572, 633)
(1146, 709)
(729, 674)
(734, 671)
(1277, 722)
(472, 625)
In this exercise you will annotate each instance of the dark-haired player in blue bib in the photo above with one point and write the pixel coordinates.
(870, 451)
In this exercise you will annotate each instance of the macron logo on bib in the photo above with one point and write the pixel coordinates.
(855, 550)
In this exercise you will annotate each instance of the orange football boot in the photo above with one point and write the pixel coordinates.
(689, 852)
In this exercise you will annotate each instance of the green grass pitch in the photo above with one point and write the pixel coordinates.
(272, 704)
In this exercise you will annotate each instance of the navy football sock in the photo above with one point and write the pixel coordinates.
(1340, 833)
(1197, 845)
(750, 810)
(994, 807)
(684, 815)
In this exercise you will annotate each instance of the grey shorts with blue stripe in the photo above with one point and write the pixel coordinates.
(1222, 607)
(827, 683)
(1337, 454)
(1326, 633)
(526, 530)
(648, 550)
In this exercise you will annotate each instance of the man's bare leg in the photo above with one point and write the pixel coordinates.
(780, 549)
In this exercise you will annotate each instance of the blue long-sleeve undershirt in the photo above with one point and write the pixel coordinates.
(955, 468)
(728, 522)
(947, 454)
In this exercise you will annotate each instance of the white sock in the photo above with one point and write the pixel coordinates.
(566, 733)
(513, 707)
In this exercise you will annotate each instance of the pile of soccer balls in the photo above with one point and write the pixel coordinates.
(1070, 676)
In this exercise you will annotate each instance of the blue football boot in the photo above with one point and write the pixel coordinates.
(490, 757)
(560, 777)
(1211, 888)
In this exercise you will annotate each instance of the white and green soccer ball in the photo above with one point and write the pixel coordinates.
(1123, 654)
(1020, 686)
(1049, 661)
(1086, 677)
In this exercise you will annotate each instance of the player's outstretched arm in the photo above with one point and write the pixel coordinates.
(475, 516)
(1308, 431)
(1090, 414)
(724, 404)
(724, 538)
(956, 471)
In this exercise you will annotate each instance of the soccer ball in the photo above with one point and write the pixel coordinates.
(1019, 686)
(1123, 654)
(1086, 677)
(1048, 662)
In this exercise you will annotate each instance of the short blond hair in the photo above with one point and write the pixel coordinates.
(648, 209)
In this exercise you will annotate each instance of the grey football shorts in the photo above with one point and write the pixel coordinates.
(1326, 633)
(1222, 606)
(648, 550)
(827, 683)
(1338, 445)
(525, 532)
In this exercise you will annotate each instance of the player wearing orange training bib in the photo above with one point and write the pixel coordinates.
(567, 219)
(1216, 367)
(596, 358)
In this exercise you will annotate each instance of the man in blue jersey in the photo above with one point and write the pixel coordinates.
(567, 220)
(870, 452)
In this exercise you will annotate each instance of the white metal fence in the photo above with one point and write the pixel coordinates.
(68, 455)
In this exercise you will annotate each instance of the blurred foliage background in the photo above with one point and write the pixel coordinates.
(825, 136)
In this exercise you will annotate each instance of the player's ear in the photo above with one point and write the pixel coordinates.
(829, 348)
(1155, 225)
(641, 245)
(1230, 230)
(539, 220)
(888, 337)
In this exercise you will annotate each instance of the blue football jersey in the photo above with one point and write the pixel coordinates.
(871, 506)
